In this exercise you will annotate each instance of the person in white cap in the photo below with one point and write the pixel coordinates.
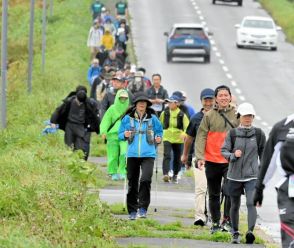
(242, 148)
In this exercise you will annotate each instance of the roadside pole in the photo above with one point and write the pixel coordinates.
(44, 34)
(4, 61)
(31, 45)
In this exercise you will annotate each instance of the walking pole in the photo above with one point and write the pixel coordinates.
(125, 194)
(156, 172)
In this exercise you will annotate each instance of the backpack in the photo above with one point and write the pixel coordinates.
(233, 135)
(180, 119)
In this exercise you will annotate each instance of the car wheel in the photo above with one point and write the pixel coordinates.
(240, 2)
(239, 46)
(213, 1)
(207, 58)
(274, 48)
(168, 57)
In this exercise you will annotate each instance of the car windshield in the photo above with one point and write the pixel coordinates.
(189, 31)
(258, 24)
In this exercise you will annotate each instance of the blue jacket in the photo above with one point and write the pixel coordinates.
(139, 147)
(93, 72)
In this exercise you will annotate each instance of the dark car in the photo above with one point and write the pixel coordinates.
(187, 40)
(239, 2)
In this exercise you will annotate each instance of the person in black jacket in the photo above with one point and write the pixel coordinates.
(157, 94)
(278, 153)
(77, 116)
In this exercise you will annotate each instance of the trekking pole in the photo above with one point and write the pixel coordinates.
(125, 194)
(156, 172)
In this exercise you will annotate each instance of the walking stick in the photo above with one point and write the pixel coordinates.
(156, 172)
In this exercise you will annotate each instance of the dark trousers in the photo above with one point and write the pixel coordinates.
(215, 172)
(74, 136)
(139, 193)
(286, 209)
(167, 148)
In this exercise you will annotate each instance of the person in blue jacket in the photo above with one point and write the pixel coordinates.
(143, 131)
(93, 71)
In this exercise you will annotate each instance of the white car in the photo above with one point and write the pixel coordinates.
(257, 31)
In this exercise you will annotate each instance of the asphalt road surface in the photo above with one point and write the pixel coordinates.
(262, 77)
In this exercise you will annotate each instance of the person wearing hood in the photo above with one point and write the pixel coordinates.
(243, 148)
(143, 131)
(77, 116)
(116, 149)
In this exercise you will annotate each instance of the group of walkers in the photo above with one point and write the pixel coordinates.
(134, 114)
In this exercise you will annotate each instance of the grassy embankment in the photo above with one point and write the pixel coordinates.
(283, 13)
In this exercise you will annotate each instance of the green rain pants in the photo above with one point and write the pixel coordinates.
(116, 155)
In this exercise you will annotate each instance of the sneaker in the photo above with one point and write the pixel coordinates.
(142, 213)
(166, 178)
(226, 226)
(114, 177)
(215, 228)
(199, 222)
(175, 179)
(133, 216)
(171, 173)
(249, 237)
(236, 238)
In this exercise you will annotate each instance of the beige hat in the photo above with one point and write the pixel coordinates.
(124, 94)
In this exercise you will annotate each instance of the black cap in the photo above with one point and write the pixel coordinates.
(81, 87)
(141, 96)
(221, 87)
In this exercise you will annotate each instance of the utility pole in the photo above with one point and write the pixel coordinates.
(31, 45)
(4, 61)
(44, 34)
(51, 8)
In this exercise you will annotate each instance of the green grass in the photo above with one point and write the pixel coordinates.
(283, 13)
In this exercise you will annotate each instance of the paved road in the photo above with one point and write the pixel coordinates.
(264, 78)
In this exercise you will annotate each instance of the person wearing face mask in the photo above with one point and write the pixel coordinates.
(116, 149)
(243, 147)
(76, 116)
(209, 139)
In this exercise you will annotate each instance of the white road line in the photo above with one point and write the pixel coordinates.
(214, 48)
(193, 3)
(201, 18)
(233, 83)
(199, 12)
(203, 23)
(238, 91)
(217, 54)
(264, 123)
(225, 68)
(229, 76)
(212, 41)
(242, 98)
(196, 7)
(257, 117)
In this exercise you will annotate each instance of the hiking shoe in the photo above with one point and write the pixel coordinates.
(133, 216)
(166, 178)
(175, 179)
(114, 177)
(226, 226)
(199, 222)
(142, 213)
(249, 237)
(170, 173)
(236, 238)
(215, 228)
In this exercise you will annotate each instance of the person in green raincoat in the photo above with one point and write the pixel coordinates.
(116, 149)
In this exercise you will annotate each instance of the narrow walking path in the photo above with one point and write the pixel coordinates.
(172, 203)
